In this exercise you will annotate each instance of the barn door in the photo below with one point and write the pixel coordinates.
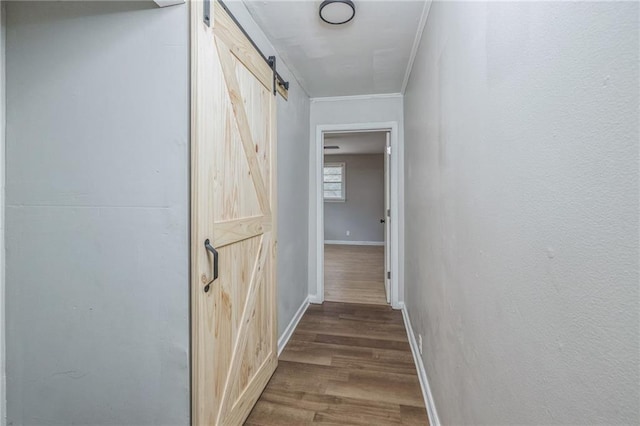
(233, 220)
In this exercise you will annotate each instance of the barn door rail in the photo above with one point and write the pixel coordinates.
(278, 81)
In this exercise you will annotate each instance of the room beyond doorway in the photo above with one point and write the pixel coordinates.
(354, 274)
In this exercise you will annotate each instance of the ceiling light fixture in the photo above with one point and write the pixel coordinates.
(336, 12)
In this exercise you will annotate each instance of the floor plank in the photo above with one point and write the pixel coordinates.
(354, 274)
(346, 364)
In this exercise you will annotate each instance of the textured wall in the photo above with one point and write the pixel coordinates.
(293, 203)
(97, 213)
(3, 396)
(361, 212)
(522, 211)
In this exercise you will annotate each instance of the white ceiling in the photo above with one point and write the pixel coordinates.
(369, 55)
(355, 143)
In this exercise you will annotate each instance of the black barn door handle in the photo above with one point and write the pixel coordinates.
(209, 247)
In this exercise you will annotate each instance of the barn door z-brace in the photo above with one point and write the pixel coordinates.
(279, 85)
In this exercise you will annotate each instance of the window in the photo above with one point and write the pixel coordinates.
(334, 182)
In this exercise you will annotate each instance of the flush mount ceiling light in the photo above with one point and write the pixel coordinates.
(336, 12)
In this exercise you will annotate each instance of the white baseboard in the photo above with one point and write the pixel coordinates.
(355, 243)
(288, 332)
(315, 299)
(422, 373)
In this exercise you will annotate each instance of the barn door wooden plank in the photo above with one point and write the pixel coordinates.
(241, 339)
(239, 45)
(203, 61)
(233, 231)
(226, 62)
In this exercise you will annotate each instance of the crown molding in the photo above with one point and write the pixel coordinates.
(356, 97)
(416, 43)
(166, 3)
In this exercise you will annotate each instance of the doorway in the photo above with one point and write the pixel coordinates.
(355, 189)
(338, 245)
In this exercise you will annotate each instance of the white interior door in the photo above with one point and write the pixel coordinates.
(387, 218)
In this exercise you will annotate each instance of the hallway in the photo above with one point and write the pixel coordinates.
(344, 212)
(345, 364)
(354, 274)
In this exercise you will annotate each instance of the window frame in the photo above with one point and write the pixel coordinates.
(343, 196)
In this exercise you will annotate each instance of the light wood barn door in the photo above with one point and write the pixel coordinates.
(234, 349)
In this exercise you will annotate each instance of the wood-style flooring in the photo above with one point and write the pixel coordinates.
(346, 364)
(354, 274)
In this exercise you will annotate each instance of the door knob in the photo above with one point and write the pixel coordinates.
(382, 221)
(214, 273)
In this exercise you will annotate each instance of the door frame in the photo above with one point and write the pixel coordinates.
(396, 218)
(387, 207)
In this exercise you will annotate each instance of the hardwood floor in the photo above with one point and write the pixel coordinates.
(346, 364)
(354, 274)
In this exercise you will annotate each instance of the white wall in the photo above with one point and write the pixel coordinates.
(293, 180)
(3, 388)
(522, 211)
(349, 110)
(97, 213)
(361, 211)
